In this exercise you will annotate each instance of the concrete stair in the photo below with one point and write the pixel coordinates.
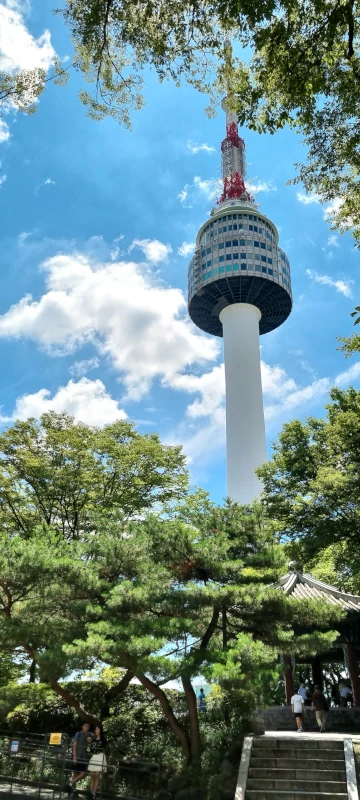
(296, 769)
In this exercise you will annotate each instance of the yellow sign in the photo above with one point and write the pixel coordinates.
(55, 738)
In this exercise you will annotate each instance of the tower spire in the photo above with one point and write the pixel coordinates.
(232, 147)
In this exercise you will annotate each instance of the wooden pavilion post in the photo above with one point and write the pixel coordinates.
(354, 672)
(288, 675)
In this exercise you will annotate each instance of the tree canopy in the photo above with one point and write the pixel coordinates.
(311, 485)
(106, 558)
(297, 63)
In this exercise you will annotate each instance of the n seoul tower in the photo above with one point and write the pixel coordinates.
(239, 288)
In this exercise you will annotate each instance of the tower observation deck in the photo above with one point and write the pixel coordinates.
(239, 286)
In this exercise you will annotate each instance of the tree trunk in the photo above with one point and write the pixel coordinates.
(114, 692)
(176, 726)
(195, 745)
(32, 671)
(73, 702)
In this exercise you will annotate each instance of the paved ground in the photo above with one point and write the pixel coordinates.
(311, 735)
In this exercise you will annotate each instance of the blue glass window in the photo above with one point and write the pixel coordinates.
(203, 253)
(228, 257)
(221, 259)
(235, 227)
(236, 266)
(228, 244)
(282, 257)
(263, 269)
(220, 230)
(229, 268)
(256, 244)
(242, 242)
(221, 246)
(224, 228)
(211, 234)
(263, 245)
(243, 266)
(255, 228)
(229, 227)
(243, 256)
(269, 260)
(222, 269)
(236, 255)
(270, 271)
(208, 263)
(208, 250)
(263, 258)
(250, 216)
(251, 227)
(216, 271)
(235, 243)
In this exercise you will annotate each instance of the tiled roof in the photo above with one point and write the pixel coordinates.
(305, 587)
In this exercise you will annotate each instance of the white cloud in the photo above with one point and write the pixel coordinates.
(260, 186)
(82, 367)
(307, 199)
(196, 148)
(333, 208)
(85, 400)
(115, 252)
(18, 48)
(154, 251)
(23, 237)
(183, 195)
(186, 249)
(140, 325)
(298, 398)
(3, 178)
(333, 240)
(351, 374)
(4, 131)
(48, 182)
(341, 286)
(210, 188)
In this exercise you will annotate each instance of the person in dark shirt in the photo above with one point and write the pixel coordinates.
(80, 756)
(202, 701)
(321, 706)
(97, 763)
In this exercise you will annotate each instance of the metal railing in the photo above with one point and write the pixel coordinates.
(30, 766)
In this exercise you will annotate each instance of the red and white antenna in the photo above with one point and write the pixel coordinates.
(232, 151)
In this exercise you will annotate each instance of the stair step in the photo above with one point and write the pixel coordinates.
(296, 774)
(300, 743)
(254, 794)
(297, 762)
(301, 753)
(331, 787)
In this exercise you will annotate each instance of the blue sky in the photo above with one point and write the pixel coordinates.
(96, 230)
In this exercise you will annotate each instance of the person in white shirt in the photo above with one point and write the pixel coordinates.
(297, 707)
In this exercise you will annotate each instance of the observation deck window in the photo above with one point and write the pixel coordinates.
(256, 244)
(257, 268)
(229, 257)
(230, 227)
(229, 268)
(236, 255)
(221, 246)
(242, 242)
(221, 269)
(208, 263)
(235, 243)
(221, 259)
(235, 227)
(228, 244)
(270, 271)
(236, 266)
(269, 260)
(255, 228)
(251, 227)
(208, 250)
(262, 245)
(243, 266)
(263, 258)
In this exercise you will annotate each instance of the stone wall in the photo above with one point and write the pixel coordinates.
(280, 718)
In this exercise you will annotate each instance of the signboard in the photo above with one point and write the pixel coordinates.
(14, 746)
(55, 738)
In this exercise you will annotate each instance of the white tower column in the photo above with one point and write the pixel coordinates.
(245, 425)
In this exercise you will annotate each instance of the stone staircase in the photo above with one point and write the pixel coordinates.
(296, 769)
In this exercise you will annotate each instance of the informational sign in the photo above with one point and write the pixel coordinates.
(55, 738)
(14, 746)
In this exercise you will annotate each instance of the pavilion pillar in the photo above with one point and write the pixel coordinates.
(316, 673)
(288, 675)
(354, 672)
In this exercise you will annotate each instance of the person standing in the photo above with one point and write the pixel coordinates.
(345, 695)
(97, 763)
(80, 757)
(297, 707)
(304, 693)
(202, 701)
(321, 706)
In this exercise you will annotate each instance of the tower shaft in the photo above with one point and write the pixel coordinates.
(245, 427)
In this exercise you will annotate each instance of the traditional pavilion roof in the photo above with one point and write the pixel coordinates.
(304, 587)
